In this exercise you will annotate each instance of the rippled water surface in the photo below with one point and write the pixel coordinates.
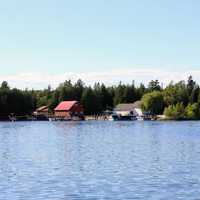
(100, 160)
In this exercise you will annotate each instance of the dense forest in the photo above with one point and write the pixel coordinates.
(177, 100)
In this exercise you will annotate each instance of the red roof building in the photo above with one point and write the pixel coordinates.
(68, 109)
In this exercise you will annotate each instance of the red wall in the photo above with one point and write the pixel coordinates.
(76, 109)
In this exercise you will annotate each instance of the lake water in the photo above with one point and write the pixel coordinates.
(100, 160)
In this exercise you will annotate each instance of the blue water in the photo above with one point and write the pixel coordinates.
(100, 160)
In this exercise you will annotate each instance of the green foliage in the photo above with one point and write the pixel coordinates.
(140, 91)
(4, 85)
(190, 85)
(181, 99)
(106, 97)
(119, 94)
(194, 94)
(176, 112)
(128, 93)
(174, 94)
(89, 101)
(154, 86)
(153, 102)
(16, 101)
(192, 111)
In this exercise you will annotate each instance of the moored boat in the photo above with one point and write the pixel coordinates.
(116, 117)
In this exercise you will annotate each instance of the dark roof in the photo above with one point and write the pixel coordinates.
(65, 105)
(128, 106)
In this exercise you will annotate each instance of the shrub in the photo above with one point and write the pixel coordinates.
(176, 112)
(192, 111)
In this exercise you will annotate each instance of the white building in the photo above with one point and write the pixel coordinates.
(127, 109)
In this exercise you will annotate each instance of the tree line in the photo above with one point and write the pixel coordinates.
(15, 101)
(177, 100)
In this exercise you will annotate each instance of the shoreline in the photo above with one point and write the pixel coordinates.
(93, 118)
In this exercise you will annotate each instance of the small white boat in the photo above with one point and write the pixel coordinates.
(140, 118)
(12, 118)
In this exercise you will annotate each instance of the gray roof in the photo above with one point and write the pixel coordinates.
(128, 106)
(137, 104)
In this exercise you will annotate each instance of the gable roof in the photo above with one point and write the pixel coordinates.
(128, 106)
(42, 108)
(65, 105)
(124, 107)
(137, 104)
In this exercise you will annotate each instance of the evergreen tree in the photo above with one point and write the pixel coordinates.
(88, 101)
(130, 94)
(140, 91)
(107, 101)
(78, 89)
(194, 95)
(154, 85)
(119, 94)
(5, 85)
(190, 85)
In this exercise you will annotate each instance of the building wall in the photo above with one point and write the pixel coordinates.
(123, 113)
(76, 110)
(62, 114)
(136, 112)
(44, 113)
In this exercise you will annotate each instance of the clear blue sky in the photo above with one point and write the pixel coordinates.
(57, 36)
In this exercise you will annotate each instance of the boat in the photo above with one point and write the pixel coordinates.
(140, 118)
(116, 117)
(12, 118)
(145, 118)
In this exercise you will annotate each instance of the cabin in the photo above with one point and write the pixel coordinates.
(127, 109)
(42, 111)
(69, 110)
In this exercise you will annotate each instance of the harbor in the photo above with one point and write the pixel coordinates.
(74, 111)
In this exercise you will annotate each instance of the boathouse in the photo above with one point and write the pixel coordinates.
(68, 110)
(42, 111)
(126, 109)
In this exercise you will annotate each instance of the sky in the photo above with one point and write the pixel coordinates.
(47, 41)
